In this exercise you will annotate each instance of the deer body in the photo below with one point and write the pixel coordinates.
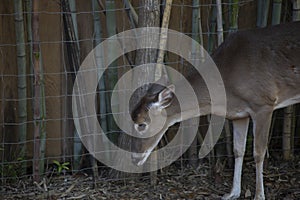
(261, 73)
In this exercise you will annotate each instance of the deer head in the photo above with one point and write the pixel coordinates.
(151, 120)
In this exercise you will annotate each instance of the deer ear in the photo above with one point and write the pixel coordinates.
(166, 96)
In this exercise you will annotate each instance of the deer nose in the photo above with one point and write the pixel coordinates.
(141, 127)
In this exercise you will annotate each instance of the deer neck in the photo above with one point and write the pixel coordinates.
(183, 110)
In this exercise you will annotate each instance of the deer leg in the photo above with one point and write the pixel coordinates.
(240, 129)
(261, 126)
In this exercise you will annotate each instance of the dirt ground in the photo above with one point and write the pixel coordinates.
(282, 181)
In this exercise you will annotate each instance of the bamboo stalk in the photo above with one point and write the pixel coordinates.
(296, 10)
(43, 134)
(160, 69)
(196, 23)
(211, 36)
(73, 54)
(262, 13)
(37, 90)
(229, 140)
(276, 12)
(99, 62)
(70, 7)
(112, 75)
(22, 86)
(233, 17)
(72, 4)
(259, 12)
(102, 7)
(219, 22)
(285, 12)
(211, 45)
(200, 30)
(70, 23)
(199, 137)
(131, 13)
(29, 38)
(41, 98)
(287, 128)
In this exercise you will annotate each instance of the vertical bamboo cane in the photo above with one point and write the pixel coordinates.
(112, 70)
(196, 23)
(276, 13)
(99, 61)
(296, 10)
(211, 45)
(219, 22)
(132, 15)
(37, 90)
(211, 36)
(233, 17)
(262, 12)
(287, 133)
(77, 145)
(22, 86)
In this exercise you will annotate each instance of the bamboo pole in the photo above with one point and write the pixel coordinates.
(287, 133)
(233, 17)
(43, 134)
(219, 22)
(196, 23)
(29, 38)
(70, 6)
(133, 17)
(112, 72)
(39, 94)
(98, 34)
(296, 10)
(211, 36)
(22, 86)
(211, 45)
(73, 55)
(262, 13)
(37, 90)
(160, 70)
(276, 12)
(200, 30)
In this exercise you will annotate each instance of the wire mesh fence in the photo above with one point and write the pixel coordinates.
(42, 46)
